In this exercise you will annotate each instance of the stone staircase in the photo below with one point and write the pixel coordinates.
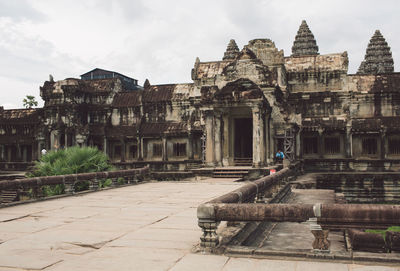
(230, 172)
(8, 196)
(245, 162)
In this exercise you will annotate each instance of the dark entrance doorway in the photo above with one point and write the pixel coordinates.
(244, 138)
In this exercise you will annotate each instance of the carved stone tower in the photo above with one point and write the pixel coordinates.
(231, 51)
(304, 43)
(378, 58)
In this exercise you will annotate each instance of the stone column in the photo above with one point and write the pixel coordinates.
(257, 137)
(320, 143)
(105, 145)
(164, 149)
(24, 154)
(217, 138)
(19, 154)
(225, 140)
(348, 142)
(39, 152)
(271, 140)
(384, 150)
(267, 138)
(2, 152)
(190, 145)
(141, 145)
(65, 140)
(123, 150)
(139, 149)
(8, 154)
(209, 138)
(261, 147)
(298, 145)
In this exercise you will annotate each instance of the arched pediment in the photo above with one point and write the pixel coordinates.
(240, 89)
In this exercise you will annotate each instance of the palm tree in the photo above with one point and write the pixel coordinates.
(29, 101)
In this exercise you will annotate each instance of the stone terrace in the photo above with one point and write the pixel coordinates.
(151, 226)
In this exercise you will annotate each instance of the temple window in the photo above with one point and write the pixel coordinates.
(117, 152)
(394, 145)
(310, 145)
(369, 146)
(157, 150)
(332, 145)
(179, 149)
(132, 152)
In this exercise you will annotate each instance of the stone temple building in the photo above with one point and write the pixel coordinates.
(237, 111)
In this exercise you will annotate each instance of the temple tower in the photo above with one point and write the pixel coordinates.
(378, 58)
(232, 50)
(304, 43)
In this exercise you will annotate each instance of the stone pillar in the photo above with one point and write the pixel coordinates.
(271, 140)
(218, 141)
(209, 238)
(190, 145)
(24, 154)
(320, 143)
(105, 145)
(261, 147)
(39, 147)
(225, 140)
(2, 153)
(139, 148)
(65, 140)
(123, 150)
(321, 242)
(164, 149)
(141, 153)
(384, 150)
(267, 139)
(209, 138)
(257, 137)
(298, 144)
(54, 140)
(19, 155)
(9, 154)
(348, 142)
(33, 152)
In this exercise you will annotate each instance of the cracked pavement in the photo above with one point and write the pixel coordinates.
(151, 226)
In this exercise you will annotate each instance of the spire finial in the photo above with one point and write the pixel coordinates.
(304, 43)
(146, 83)
(378, 57)
(232, 51)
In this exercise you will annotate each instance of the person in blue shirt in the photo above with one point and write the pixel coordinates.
(279, 156)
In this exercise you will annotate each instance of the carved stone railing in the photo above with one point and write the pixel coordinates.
(237, 206)
(261, 190)
(118, 177)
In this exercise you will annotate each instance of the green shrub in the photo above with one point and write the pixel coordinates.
(105, 183)
(72, 160)
(121, 181)
(52, 190)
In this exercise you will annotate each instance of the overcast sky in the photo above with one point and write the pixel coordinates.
(160, 39)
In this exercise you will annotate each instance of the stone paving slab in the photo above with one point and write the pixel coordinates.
(151, 226)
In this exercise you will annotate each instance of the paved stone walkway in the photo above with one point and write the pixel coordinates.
(150, 226)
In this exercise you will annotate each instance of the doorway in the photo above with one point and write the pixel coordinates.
(243, 138)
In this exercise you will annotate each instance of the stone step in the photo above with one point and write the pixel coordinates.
(230, 173)
(243, 161)
(8, 196)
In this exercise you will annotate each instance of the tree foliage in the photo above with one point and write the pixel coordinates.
(29, 101)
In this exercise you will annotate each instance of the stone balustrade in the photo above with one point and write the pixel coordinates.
(237, 206)
(117, 177)
(257, 191)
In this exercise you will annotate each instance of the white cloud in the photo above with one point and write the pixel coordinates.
(160, 40)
